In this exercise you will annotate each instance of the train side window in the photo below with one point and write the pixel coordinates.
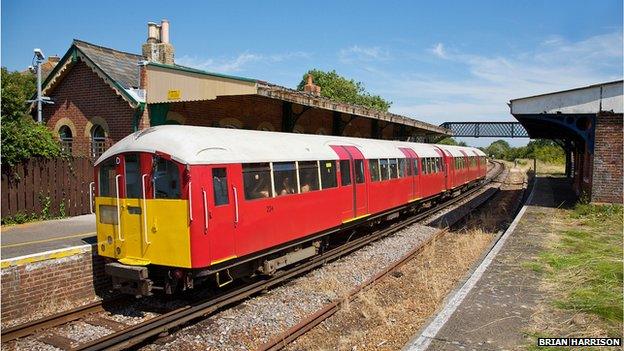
(133, 176)
(429, 168)
(441, 163)
(285, 178)
(345, 172)
(106, 175)
(423, 165)
(394, 173)
(401, 168)
(257, 181)
(373, 166)
(437, 164)
(308, 176)
(166, 179)
(359, 171)
(220, 186)
(408, 167)
(328, 174)
(415, 166)
(383, 165)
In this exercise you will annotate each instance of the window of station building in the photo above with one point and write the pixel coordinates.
(98, 141)
(373, 166)
(67, 139)
(257, 181)
(308, 176)
(394, 173)
(402, 168)
(385, 172)
(285, 178)
(134, 190)
(345, 172)
(359, 171)
(166, 179)
(220, 186)
(106, 178)
(328, 174)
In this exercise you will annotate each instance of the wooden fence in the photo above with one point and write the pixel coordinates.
(58, 187)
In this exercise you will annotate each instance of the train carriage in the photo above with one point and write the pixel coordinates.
(176, 204)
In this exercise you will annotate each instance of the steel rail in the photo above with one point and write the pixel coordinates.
(157, 325)
(54, 320)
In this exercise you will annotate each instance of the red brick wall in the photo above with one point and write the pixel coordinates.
(607, 166)
(46, 287)
(82, 96)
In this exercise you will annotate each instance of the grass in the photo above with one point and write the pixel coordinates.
(542, 167)
(583, 272)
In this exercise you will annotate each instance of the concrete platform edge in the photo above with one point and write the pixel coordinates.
(47, 255)
(422, 339)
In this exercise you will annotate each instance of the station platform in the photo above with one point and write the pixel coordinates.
(37, 237)
(493, 307)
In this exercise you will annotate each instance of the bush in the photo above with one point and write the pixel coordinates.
(23, 139)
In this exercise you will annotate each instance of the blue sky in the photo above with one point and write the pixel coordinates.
(435, 60)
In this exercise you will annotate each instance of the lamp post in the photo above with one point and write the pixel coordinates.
(38, 59)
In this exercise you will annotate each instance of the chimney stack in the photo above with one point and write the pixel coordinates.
(157, 48)
(310, 87)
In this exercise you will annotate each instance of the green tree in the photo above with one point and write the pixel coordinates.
(498, 149)
(451, 141)
(339, 88)
(17, 87)
(22, 137)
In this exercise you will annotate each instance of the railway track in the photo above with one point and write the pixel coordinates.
(125, 336)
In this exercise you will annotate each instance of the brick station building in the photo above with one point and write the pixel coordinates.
(101, 95)
(589, 121)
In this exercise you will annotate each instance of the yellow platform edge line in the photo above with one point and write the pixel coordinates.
(355, 219)
(223, 259)
(415, 199)
(44, 256)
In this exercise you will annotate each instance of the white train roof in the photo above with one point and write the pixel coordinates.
(204, 145)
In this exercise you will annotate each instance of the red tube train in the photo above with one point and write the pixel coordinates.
(180, 204)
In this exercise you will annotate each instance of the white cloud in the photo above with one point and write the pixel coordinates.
(438, 50)
(487, 83)
(238, 63)
(362, 53)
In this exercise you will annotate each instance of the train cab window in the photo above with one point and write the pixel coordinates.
(257, 181)
(166, 179)
(133, 177)
(106, 175)
(394, 173)
(359, 171)
(220, 186)
(285, 178)
(383, 165)
(401, 168)
(345, 172)
(308, 176)
(415, 166)
(328, 174)
(373, 166)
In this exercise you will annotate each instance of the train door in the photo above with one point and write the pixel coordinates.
(352, 161)
(412, 163)
(220, 200)
(446, 164)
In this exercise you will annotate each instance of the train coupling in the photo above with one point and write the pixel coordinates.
(127, 279)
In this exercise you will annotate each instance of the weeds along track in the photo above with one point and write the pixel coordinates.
(117, 333)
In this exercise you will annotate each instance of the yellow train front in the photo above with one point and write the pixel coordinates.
(143, 215)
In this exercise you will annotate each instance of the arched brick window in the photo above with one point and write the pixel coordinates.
(98, 141)
(67, 138)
